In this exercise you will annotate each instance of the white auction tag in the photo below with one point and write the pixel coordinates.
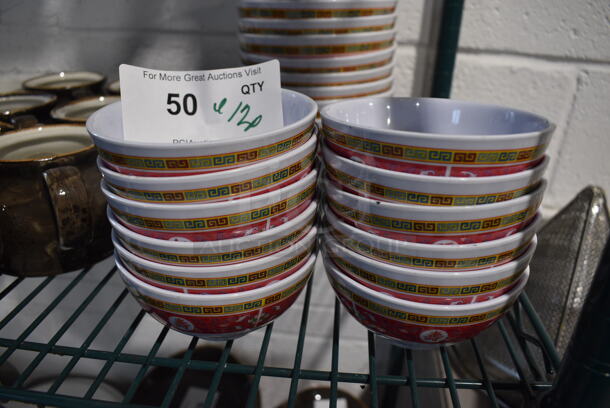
(198, 106)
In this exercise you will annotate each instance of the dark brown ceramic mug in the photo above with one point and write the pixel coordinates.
(52, 212)
(6, 127)
(23, 109)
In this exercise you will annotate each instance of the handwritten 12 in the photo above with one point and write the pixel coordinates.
(241, 108)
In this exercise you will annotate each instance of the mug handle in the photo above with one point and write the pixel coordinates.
(70, 203)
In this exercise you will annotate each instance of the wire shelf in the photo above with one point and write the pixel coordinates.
(521, 323)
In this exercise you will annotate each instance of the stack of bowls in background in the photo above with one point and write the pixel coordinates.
(329, 50)
(214, 239)
(431, 210)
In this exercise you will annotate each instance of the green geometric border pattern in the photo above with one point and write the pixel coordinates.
(436, 227)
(425, 290)
(220, 222)
(225, 282)
(429, 155)
(207, 162)
(216, 192)
(419, 198)
(224, 309)
(221, 258)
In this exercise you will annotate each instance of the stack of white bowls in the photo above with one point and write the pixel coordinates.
(329, 50)
(431, 209)
(214, 239)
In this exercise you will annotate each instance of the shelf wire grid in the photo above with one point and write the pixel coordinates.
(533, 380)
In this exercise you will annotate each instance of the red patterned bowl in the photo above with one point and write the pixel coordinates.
(406, 188)
(437, 287)
(419, 325)
(432, 257)
(165, 159)
(218, 317)
(255, 179)
(223, 278)
(215, 221)
(436, 137)
(216, 253)
(435, 224)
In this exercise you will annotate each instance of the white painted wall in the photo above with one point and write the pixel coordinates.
(551, 57)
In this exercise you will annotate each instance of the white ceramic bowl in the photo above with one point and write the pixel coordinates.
(258, 178)
(405, 188)
(435, 224)
(322, 93)
(166, 159)
(439, 137)
(78, 111)
(337, 78)
(315, 8)
(419, 325)
(316, 45)
(432, 257)
(223, 278)
(309, 26)
(215, 253)
(438, 287)
(219, 316)
(215, 221)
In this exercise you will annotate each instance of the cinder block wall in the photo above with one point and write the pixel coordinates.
(551, 57)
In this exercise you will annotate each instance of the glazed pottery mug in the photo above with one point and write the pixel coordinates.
(53, 213)
(22, 109)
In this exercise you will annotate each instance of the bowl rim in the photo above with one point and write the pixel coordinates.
(207, 177)
(282, 3)
(363, 86)
(205, 271)
(191, 298)
(189, 147)
(417, 307)
(56, 111)
(325, 114)
(18, 133)
(519, 263)
(381, 173)
(295, 75)
(534, 225)
(346, 58)
(310, 211)
(47, 99)
(367, 204)
(371, 36)
(94, 78)
(267, 197)
(258, 22)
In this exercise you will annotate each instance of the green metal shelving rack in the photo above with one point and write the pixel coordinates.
(521, 331)
(514, 322)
